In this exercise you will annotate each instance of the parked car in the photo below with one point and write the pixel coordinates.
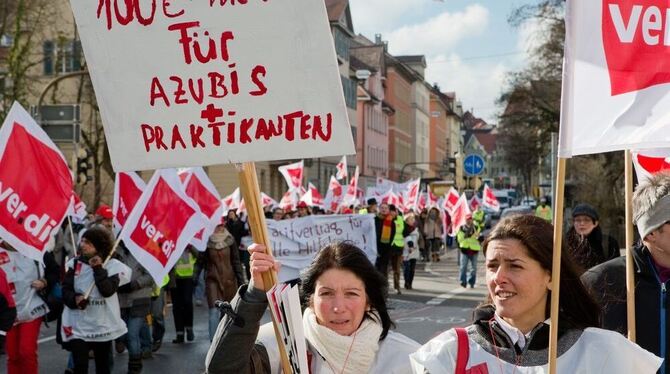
(521, 209)
(529, 201)
(503, 198)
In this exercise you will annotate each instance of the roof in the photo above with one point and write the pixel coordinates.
(335, 9)
(409, 59)
(487, 140)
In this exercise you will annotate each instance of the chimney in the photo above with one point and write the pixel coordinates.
(378, 38)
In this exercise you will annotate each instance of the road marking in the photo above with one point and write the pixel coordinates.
(446, 296)
(429, 269)
(47, 339)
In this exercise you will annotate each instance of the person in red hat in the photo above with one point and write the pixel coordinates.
(104, 216)
(303, 209)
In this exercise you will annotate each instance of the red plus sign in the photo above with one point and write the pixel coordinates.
(211, 114)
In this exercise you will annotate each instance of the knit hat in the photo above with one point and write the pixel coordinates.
(100, 238)
(654, 218)
(372, 201)
(585, 210)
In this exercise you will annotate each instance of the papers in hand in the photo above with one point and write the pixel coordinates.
(285, 307)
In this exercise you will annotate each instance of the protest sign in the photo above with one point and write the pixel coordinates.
(616, 69)
(236, 81)
(162, 223)
(295, 242)
(128, 188)
(35, 185)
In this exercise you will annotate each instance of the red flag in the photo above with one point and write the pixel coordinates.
(650, 162)
(293, 174)
(391, 198)
(412, 193)
(127, 190)
(460, 214)
(450, 200)
(77, 211)
(267, 200)
(290, 200)
(232, 201)
(334, 195)
(490, 200)
(341, 168)
(162, 223)
(474, 203)
(200, 188)
(312, 197)
(35, 185)
(351, 196)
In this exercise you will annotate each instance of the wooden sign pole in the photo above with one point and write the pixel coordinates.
(556, 265)
(252, 200)
(630, 272)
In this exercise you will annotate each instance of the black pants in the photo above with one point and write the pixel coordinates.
(182, 304)
(101, 350)
(383, 257)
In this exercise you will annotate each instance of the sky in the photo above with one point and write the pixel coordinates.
(469, 45)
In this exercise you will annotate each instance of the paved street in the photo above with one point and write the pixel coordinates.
(436, 303)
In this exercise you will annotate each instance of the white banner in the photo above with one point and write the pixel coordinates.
(193, 83)
(295, 242)
(615, 78)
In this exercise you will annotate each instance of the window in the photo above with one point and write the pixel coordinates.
(349, 87)
(63, 56)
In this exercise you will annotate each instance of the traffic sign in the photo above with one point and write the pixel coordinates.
(473, 164)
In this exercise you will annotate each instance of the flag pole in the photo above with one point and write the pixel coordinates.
(630, 272)
(556, 265)
(251, 194)
(74, 245)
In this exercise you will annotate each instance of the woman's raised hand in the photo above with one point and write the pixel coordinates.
(260, 263)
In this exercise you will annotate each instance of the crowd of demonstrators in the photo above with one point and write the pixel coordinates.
(587, 243)
(510, 333)
(651, 259)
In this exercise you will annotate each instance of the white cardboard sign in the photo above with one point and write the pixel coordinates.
(295, 242)
(193, 83)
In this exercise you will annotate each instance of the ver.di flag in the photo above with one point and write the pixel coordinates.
(161, 224)
(333, 195)
(35, 185)
(200, 188)
(128, 188)
(615, 77)
(293, 174)
(341, 168)
(650, 162)
(490, 199)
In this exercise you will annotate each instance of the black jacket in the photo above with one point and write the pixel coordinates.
(607, 282)
(596, 249)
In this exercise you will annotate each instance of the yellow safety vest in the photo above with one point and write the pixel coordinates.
(469, 242)
(399, 240)
(544, 213)
(185, 265)
(363, 211)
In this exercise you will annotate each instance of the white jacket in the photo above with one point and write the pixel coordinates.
(21, 272)
(392, 356)
(101, 320)
(596, 351)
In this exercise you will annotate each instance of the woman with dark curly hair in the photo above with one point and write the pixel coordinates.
(345, 319)
(511, 332)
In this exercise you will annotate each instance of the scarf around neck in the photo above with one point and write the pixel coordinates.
(220, 240)
(361, 347)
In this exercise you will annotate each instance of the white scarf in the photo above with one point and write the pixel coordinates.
(361, 347)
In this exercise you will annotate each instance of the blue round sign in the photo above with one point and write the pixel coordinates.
(473, 164)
